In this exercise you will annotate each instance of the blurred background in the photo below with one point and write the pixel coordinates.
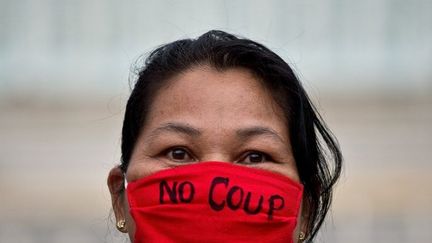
(64, 70)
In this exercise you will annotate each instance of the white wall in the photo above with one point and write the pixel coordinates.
(85, 47)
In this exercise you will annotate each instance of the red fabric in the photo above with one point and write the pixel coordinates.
(214, 202)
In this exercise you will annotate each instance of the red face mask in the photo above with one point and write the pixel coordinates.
(214, 202)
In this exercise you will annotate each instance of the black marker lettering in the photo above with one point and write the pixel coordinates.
(217, 180)
(272, 207)
(247, 203)
(230, 198)
(191, 191)
(172, 192)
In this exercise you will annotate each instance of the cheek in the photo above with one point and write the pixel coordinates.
(129, 221)
(138, 169)
(142, 168)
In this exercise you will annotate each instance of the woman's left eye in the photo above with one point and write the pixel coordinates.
(255, 157)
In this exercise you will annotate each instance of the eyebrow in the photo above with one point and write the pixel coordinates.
(243, 133)
(177, 128)
(247, 133)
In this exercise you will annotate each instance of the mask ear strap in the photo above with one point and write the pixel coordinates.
(125, 183)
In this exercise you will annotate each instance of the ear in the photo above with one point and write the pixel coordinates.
(116, 187)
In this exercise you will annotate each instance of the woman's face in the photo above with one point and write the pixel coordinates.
(209, 115)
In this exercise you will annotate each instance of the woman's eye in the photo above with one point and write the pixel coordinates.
(256, 157)
(179, 154)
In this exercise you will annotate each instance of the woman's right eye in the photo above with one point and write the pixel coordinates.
(179, 155)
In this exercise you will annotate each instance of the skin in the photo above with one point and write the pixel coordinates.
(194, 118)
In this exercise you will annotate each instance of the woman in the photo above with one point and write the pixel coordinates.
(220, 142)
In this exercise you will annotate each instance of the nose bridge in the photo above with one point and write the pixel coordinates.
(217, 156)
(218, 143)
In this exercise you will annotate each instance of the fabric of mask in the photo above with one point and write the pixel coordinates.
(214, 202)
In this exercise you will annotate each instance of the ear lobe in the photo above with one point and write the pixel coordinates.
(115, 183)
(304, 216)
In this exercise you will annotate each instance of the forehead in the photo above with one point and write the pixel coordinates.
(205, 96)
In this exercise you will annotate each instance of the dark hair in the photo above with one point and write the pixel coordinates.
(315, 149)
